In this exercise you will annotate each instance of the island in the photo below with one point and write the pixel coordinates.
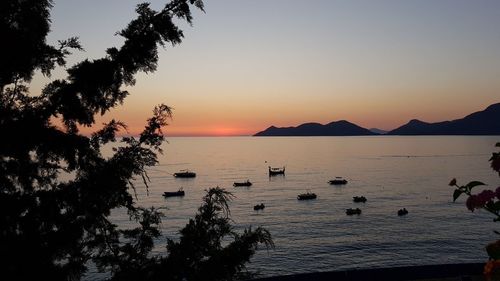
(485, 122)
(338, 128)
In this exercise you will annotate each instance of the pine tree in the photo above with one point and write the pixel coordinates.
(52, 227)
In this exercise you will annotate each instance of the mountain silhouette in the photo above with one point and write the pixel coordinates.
(338, 128)
(486, 122)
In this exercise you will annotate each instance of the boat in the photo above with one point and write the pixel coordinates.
(245, 183)
(338, 181)
(359, 199)
(185, 174)
(276, 171)
(179, 192)
(259, 207)
(352, 211)
(306, 196)
(402, 212)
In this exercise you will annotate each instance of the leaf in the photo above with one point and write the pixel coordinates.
(457, 194)
(493, 206)
(496, 206)
(473, 184)
(495, 155)
(493, 250)
(495, 164)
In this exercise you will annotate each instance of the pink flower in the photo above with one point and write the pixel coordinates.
(485, 196)
(472, 202)
(478, 201)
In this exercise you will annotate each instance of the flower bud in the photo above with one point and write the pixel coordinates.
(453, 182)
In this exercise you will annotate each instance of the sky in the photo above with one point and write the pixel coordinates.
(245, 65)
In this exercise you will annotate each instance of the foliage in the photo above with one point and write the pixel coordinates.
(57, 189)
(200, 254)
(488, 200)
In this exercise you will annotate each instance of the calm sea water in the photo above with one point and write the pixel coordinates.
(391, 172)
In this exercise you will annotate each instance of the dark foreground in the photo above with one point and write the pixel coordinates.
(448, 272)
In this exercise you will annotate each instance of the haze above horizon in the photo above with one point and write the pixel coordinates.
(246, 65)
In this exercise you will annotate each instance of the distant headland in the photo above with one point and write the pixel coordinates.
(486, 122)
(339, 128)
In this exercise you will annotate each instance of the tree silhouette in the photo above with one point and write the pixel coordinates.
(57, 189)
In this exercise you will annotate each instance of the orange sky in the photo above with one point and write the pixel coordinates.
(246, 65)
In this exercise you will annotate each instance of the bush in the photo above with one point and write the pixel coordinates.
(488, 200)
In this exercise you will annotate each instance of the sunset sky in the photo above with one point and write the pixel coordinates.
(247, 64)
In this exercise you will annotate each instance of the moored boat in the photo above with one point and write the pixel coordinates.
(185, 174)
(276, 171)
(402, 212)
(245, 183)
(179, 192)
(359, 199)
(306, 196)
(352, 211)
(260, 206)
(338, 181)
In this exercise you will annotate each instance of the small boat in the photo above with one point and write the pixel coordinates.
(306, 196)
(179, 192)
(185, 174)
(245, 183)
(276, 171)
(402, 212)
(259, 207)
(359, 199)
(338, 181)
(351, 211)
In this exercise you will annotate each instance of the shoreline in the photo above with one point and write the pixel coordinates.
(449, 272)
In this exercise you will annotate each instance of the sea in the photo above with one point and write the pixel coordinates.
(392, 172)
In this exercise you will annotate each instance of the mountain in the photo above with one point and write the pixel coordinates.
(486, 122)
(338, 128)
(378, 131)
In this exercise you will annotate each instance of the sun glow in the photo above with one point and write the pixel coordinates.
(216, 131)
(227, 131)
